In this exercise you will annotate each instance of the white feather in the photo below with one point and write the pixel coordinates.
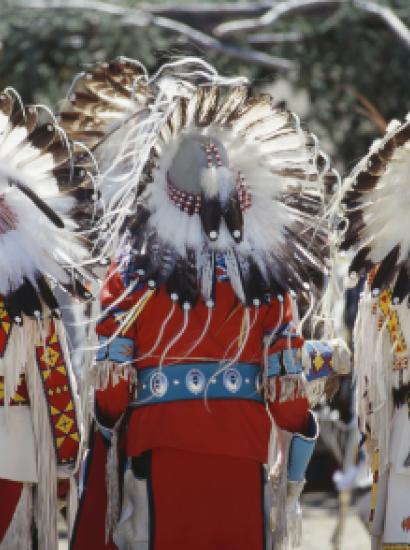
(12, 140)
(252, 115)
(386, 207)
(209, 181)
(4, 123)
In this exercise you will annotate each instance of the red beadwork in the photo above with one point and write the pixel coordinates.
(190, 203)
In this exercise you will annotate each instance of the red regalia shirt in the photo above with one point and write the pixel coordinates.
(230, 427)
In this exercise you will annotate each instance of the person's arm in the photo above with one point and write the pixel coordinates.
(297, 428)
(283, 369)
(116, 353)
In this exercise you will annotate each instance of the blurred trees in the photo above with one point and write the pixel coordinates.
(354, 67)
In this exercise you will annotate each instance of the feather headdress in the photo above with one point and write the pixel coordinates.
(102, 99)
(377, 202)
(42, 191)
(204, 169)
(101, 111)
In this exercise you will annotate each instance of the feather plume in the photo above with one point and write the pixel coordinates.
(41, 186)
(250, 205)
(376, 197)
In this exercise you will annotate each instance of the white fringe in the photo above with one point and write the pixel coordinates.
(21, 358)
(112, 484)
(292, 386)
(45, 501)
(278, 476)
(72, 505)
(373, 360)
(315, 391)
(96, 378)
(103, 371)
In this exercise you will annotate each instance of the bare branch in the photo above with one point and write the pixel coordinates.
(290, 8)
(138, 18)
(218, 10)
(102, 7)
(206, 16)
(370, 111)
(388, 17)
(211, 43)
(282, 10)
(276, 38)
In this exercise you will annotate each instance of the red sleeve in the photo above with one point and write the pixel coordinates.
(112, 401)
(290, 415)
(113, 288)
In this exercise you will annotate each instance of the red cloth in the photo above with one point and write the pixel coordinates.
(187, 515)
(10, 493)
(205, 457)
(223, 427)
(237, 428)
(89, 527)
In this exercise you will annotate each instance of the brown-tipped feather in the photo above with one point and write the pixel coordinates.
(41, 205)
(376, 165)
(403, 134)
(402, 285)
(207, 105)
(252, 103)
(365, 182)
(386, 151)
(233, 217)
(231, 104)
(27, 118)
(6, 104)
(43, 136)
(71, 176)
(387, 269)
(361, 261)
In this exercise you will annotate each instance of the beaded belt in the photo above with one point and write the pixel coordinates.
(190, 381)
(20, 397)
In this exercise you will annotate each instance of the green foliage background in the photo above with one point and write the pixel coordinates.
(341, 56)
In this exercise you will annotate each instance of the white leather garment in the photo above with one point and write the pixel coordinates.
(18, 452)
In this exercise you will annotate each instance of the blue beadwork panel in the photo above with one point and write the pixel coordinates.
(119, 350)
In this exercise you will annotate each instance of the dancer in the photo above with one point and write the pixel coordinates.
(215, 210)
(375, 197)
(41, 186)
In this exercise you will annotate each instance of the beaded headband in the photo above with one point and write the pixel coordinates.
(190, 203)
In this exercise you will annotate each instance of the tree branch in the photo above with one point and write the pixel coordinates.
(86, 5)
(206, 16)
(370, 111)
(219, 10)
(211, 43)
(290, 8)
(282, 10)
(138, 18)
(276, 38)
(388, 17)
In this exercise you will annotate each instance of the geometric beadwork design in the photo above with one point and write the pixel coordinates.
(5, 327)
(391, 319)
(20, 397)
(321, 360)
(59, 396)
